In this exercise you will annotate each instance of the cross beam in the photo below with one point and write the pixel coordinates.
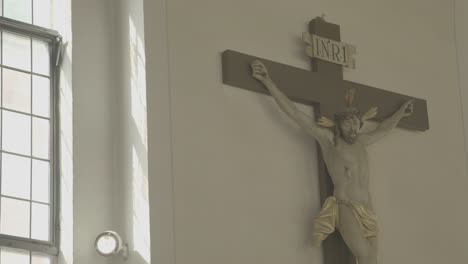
(320, 88)
(324, 88)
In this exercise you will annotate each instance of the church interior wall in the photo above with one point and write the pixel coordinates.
(243, 176)
(131, 204)
(93, 127)
(110, 141)
(228, 178)
(461, 38)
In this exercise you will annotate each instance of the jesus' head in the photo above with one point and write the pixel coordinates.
(348, 125)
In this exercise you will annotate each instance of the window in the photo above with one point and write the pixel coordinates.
(28, 122)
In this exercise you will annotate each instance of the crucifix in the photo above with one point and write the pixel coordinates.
(342, 156)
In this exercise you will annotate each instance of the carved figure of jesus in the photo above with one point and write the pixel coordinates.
(349, 210)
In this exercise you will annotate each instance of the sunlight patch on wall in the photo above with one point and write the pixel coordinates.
(141, 225)
(140, 202)
(138, 82)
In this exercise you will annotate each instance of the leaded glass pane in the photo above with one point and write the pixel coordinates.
(15, 217)
(16, 51)
(16, 134)
(42, 10)
(41, 130)
(17, 90)
(40, 222)
(41, 96)
(40, 259)
(41, 57)
(41, 181)
(16, 176)
(14, 256)
(18, 10)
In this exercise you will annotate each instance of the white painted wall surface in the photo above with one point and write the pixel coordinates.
(160, 180)
(419, 178)
(131, 207)
(461, 30)
(63, 24)
(92, 127)
(110, 131)
(245, 182)
(231, 178)
(242, 177)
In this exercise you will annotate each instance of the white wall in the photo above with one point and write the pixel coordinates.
(419, 177)
(241, 184)
(461, 30)
(131, 208)
(230, 178)
(92, 127)
(110, 132)
(244, 182)
(160, 165)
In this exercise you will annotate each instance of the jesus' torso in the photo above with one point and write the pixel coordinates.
(348, 167)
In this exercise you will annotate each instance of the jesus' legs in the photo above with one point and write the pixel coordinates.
(372, 257)
(365, 250)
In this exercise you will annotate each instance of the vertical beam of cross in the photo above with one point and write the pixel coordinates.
(335, 250)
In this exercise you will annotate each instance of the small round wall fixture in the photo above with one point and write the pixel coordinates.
(109, 243)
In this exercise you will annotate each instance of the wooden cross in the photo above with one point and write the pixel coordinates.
(323, 88)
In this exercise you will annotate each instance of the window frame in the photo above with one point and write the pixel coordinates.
(54, 40)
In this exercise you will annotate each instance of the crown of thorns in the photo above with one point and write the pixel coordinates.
(350, 112)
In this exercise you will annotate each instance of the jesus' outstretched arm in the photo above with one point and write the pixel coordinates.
(322, 135)
(388, 124)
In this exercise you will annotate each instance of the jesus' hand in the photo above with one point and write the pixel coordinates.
(259, 71)
(407, 108)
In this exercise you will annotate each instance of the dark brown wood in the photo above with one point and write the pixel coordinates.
(335, 250)
(331, 31)
(314, 87)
